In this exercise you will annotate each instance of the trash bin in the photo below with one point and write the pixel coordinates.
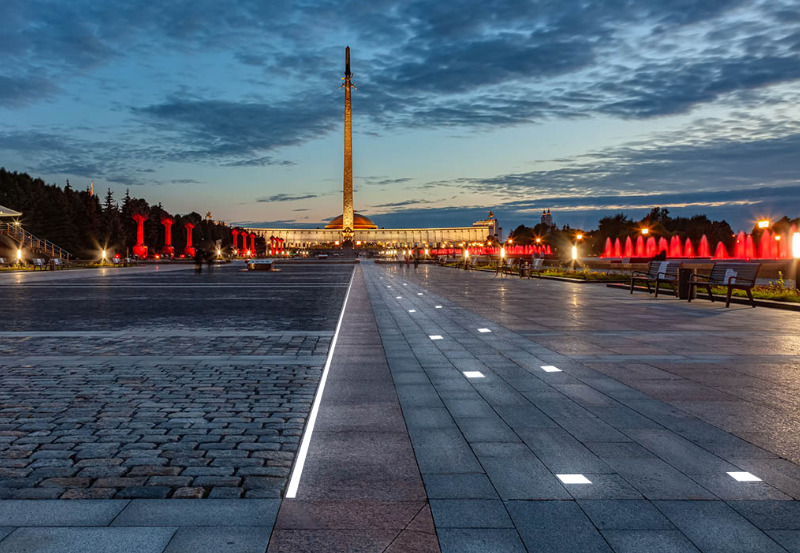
(684, 274)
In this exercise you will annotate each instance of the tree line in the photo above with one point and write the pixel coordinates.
(84, 225)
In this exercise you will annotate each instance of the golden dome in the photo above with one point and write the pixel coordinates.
(359, 223)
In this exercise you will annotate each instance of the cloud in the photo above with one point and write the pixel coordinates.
(285, 198)
(384, 181)
(258, 162)
(24, 91)
(402, 203)
(223, 129)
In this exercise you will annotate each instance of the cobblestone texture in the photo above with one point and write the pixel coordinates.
(88, 414)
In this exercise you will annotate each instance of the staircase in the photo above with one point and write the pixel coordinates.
(28, 240)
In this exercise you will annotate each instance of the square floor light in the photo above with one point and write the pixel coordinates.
(473, 374)
(573, 479)
(399, 297)
(419, 293)
(412, 310)
(438, 307)
(404, 284)
(435, 337)
(550, 369)
(744, 477)
(483, 330)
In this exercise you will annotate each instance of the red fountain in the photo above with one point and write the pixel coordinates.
(252, 244)
(235, 234)
(617, 248)
(140, 249)
(663, 246)
(168, 248)
(784, 247)
(640, 246)
(189, 249)
(749, 247)
(609, 249)
(675, 249)
(738, 251)
(271, 245)
(721, 252)
(651, 248)
(688, 249)
(628, 247)
(704, 250)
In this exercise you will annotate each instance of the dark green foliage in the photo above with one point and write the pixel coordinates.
(78, 221)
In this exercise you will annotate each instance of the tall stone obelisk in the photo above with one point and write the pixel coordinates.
(347, 207)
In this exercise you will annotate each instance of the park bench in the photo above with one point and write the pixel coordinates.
(739, 276)
(3, 261)
(536, 267)
(57, 263)
(658, 272)
(39, 263)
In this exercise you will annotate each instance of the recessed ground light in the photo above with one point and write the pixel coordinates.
(399, 297)
(388, 286)
(404, 284)
(412, 310)
(435, 337)
(438, 307)
(550, 369)
(573, 479)
(419, 293)
(744, 477)
(483, 330)
(473, 374)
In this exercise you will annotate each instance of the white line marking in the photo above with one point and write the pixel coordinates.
(297, 472)
(550, 369)
(473, 374)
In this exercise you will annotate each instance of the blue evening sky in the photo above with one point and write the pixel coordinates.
(585, 108)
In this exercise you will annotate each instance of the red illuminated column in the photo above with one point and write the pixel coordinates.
(189, 250)
(235, 238)
(252, 244)
(244, 242)
(140, 249)
(280, 243)
(272, 245)
(168, 249)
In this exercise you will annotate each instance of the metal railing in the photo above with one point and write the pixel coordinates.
(28, 240)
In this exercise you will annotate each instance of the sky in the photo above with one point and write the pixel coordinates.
(583, 108)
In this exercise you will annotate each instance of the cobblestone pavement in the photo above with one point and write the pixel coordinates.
(149, 385)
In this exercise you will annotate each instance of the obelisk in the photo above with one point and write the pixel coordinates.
(347, 207)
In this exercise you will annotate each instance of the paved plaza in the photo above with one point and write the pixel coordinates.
(156, 410)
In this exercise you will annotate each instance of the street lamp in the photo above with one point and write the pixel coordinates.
(645, 230)
(763, 223)
(105, 256)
